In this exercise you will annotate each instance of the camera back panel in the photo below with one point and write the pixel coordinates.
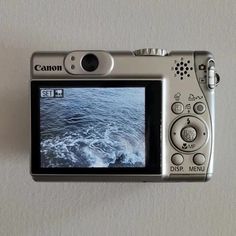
(179, 110)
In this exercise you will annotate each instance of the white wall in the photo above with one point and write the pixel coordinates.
(51, 209)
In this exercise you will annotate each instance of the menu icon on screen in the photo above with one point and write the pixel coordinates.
(51, 93)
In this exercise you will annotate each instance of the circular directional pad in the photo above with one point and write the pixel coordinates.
(188, 133)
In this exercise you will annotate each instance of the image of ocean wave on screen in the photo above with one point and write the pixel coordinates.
(93, 127)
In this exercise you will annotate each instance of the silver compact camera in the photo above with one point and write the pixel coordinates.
(144, 115)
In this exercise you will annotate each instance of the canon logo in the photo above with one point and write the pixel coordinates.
(47, 68)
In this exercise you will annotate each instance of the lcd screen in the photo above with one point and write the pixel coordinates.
(90, 127)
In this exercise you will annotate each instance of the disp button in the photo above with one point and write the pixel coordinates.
(177, 159)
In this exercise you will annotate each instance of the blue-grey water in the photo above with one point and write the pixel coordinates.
(93, 127)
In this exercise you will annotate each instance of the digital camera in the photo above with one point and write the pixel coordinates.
(144, 115)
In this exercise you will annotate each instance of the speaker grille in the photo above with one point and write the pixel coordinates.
(182, 68)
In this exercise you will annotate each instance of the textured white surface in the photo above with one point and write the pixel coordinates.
(52, 209)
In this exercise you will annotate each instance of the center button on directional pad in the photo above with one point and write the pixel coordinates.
(188, 134)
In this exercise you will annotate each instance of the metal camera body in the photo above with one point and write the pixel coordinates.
(187, 123)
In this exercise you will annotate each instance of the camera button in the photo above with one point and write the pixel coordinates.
(177, 107)
(199, 159)
(188, 134)
(177, 159)
(199, 108)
